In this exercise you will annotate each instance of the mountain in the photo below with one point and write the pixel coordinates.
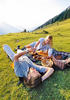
(62, 16)
(6, 28)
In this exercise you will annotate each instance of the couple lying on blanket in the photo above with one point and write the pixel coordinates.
(31, 73)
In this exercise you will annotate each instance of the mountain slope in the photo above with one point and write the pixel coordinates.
(62, 16)
(6, 28)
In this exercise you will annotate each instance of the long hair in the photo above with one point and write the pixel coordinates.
(51, 40)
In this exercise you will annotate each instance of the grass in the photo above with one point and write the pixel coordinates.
(57, 87)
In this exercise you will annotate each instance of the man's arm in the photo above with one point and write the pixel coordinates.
(28, 46)
(48, 73)
(36, 44)
(19, 55)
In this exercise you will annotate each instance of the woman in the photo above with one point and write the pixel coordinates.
(42, 44)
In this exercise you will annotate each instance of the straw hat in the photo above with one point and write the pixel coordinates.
(47, 62)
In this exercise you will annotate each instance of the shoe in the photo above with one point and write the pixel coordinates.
(19, 82)
(23, 48)
(18, 47)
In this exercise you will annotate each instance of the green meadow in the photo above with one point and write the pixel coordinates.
(57, 87)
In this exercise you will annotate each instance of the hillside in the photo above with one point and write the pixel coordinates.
(62, 16)
(57, 87)
(6, 28)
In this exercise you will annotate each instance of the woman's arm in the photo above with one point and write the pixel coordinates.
(48, 73)
(36, 44)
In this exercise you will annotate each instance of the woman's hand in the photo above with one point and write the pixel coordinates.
(32, 50)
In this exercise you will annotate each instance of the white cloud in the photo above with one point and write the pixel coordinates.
(29, 13)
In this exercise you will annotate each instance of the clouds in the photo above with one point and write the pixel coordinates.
(29, 13)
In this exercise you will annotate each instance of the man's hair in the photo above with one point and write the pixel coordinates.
(33, 81)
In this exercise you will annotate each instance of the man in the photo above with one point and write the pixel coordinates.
(21, 67)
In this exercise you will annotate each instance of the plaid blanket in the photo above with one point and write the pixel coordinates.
(63, 54)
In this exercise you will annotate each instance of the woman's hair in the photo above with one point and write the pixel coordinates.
(51, 38)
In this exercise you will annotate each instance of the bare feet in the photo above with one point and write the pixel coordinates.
(67, 60)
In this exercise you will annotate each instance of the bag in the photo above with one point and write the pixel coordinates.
(33, 79)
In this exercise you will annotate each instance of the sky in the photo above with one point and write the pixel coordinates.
(28, 14)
